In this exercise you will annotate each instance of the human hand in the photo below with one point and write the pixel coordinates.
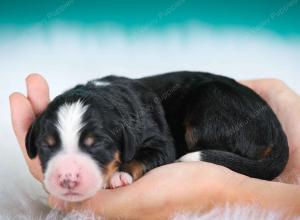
(162, 190)
(286, 105)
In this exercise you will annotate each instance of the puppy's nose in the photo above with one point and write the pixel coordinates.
(69, 181)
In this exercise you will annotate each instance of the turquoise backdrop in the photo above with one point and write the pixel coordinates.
(278, 16)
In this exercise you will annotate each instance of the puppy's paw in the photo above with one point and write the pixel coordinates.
(119, 179)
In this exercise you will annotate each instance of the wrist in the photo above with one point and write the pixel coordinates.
(267, 195)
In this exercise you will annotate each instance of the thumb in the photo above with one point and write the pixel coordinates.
(65, 206)
(56, 203)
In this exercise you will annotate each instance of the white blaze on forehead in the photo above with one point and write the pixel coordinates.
(69, 123)
(70, 160)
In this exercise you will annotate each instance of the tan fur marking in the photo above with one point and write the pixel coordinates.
(267, 152)
(89, 140)
(189, 137)
(135, 168)
(112, 166)
(50, 140)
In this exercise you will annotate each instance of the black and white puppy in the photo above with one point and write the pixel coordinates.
(110, 131)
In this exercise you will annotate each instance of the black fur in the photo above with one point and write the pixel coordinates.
(155, 120)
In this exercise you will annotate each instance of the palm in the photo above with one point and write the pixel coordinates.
(166, 189)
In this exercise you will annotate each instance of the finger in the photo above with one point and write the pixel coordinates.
(65, 206)
(258, 85)
(248, 83)
(55, 203)
(22, 115)
(37, 92)
(103, 202)
(266, 87)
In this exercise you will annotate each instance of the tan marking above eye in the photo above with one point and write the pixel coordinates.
(50, 140)
(267, 151)
(89, 140)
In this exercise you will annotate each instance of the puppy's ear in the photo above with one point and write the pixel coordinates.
(30, 142)
(128, 146)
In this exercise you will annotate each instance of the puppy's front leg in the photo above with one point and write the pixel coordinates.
(153, 153)
(135, 168)
(127, 173)
(120, 178)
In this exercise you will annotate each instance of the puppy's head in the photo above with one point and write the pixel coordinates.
(77, 152)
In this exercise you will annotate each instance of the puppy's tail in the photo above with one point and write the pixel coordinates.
(266, 168)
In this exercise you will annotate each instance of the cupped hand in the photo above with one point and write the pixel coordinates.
(172, 187)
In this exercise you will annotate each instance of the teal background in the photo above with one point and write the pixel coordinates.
(134, 14)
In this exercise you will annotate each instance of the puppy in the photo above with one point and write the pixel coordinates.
(110, 131)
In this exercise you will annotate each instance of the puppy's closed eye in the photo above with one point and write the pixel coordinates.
(89, 140)
(50, 141)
